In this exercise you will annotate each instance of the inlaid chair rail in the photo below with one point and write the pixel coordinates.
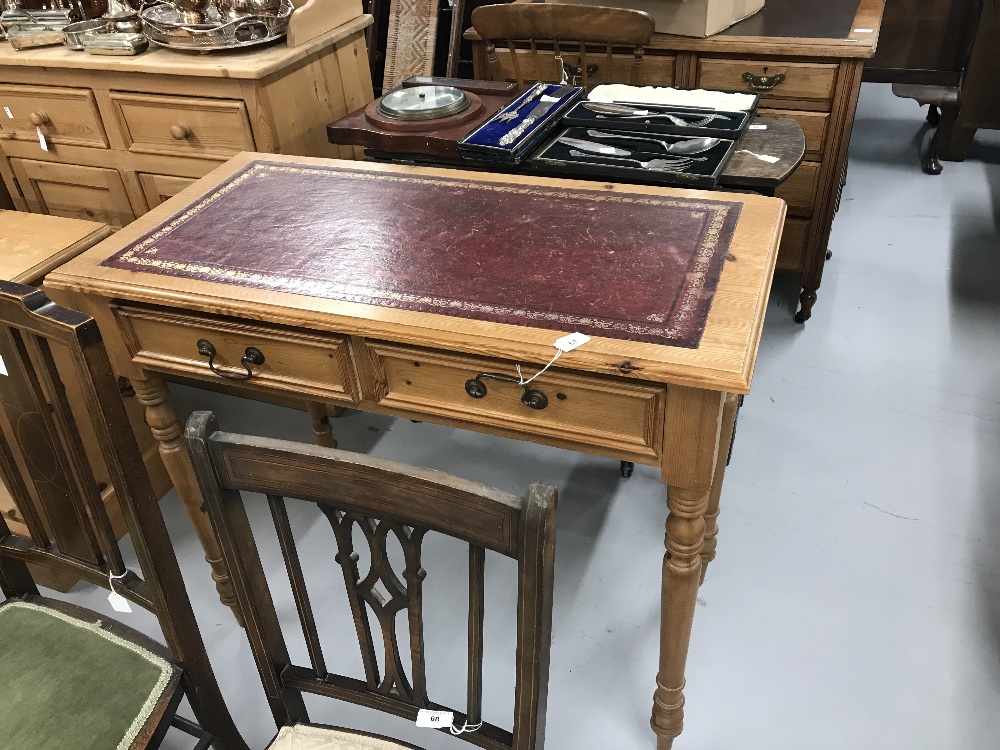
(572, 29)
(45, 467)
(383, 499)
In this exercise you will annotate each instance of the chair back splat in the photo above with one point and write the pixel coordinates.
(544, 41)
(383, 499)
(44, 465)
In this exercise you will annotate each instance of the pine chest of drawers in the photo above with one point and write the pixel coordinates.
(108, 138)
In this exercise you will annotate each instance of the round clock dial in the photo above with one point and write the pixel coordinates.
(423, 103)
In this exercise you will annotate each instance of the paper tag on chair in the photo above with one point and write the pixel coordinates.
(3, 367)
(118, 602)
(435, 719)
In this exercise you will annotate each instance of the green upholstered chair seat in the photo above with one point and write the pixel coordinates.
(309, 737)
(68, 683)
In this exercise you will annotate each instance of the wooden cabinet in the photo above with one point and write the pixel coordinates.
(806, 64)
(157, 188)
(108, 138)
(73, 191)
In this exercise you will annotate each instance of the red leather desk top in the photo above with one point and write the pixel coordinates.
(628, 266)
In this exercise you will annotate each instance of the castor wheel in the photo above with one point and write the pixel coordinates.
(933, 116)
(627, 468)
(829, 254)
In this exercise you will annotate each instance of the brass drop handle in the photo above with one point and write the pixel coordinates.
(251, 356)
(38, 118)
(531, 398)
(764, 82)
(180, 131)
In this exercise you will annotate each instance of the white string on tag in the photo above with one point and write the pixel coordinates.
(466, 727)
(522, 381)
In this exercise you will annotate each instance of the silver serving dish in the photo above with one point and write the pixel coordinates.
(30, 36)
(115, 44)
(52, 20)
(165, 25)
(74, 34)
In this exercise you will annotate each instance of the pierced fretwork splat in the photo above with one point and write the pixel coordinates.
(364, 595)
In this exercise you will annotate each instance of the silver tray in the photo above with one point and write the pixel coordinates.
(165, 26)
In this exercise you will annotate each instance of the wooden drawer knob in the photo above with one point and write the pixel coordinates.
(38, 118)
(180, 131)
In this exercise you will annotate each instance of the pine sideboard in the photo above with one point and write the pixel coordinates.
(805, 60)
(108, 138)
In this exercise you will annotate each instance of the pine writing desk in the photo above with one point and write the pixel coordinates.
(407, 291)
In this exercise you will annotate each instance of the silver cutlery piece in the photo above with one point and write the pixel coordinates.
(600, 148)
(541, 110)
(656, 165)
(685, 147)
(626, 113)
(535, 93)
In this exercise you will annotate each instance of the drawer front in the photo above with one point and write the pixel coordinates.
(799, 190)
(792, 250)
(297, 361)
(160, 187)
(542, 66)
(813, 126)
(65, 116)
(77, 192)
(182, 126)
(801, 80)
(621, 415)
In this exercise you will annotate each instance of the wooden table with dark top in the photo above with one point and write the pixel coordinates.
(819, 47)
(781, 138)
(402, 291)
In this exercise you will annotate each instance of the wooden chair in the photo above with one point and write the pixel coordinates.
(71, 678)
(540, 36)
(383, 499)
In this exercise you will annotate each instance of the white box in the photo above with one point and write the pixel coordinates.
(699, 18)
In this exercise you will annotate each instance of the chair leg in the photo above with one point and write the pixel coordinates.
(930, 160)
(187, 726)
(933, 115)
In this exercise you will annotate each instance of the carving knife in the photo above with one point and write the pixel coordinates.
(541, 109)
(594, 148)
(623, 111)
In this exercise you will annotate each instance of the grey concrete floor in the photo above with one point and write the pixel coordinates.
(855, 602)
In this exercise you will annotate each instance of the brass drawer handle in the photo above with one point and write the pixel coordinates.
(764, 82)
(533, 399)
(179, 131)
(251, 356)
(38, 118)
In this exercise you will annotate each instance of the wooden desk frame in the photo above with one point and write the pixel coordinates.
(695, 389)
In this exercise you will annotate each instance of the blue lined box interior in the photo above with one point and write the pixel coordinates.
(486, 138)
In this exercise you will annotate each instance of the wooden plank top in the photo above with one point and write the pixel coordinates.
(808, 28)
(723, 360)
(250, 64)
(31, 245)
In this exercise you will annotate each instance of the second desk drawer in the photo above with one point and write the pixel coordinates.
(302, 362)
(621, 415)
(183, 126)
(771, 79)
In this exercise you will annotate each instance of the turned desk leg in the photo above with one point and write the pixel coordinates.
(320, 419)
(162, 421)
(691, 434)
(806, 301)
(729, 411)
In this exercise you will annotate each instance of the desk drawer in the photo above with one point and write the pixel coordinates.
(66, 116)
(541, 65)
(792, 251)
(801, 80)
(623, 416)
(302, 362)
(799, 190)
(183, 126)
